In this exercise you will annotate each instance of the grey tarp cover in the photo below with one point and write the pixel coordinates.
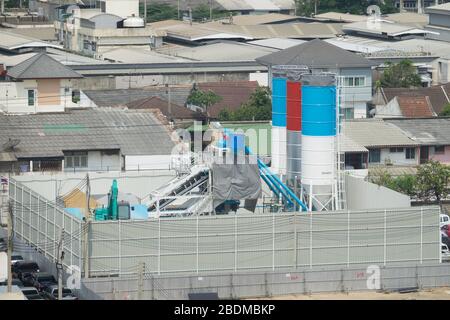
(236, 182)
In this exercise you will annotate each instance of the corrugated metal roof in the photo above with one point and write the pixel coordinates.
(318, 54)
(376, 133)
(138, 55)
(339, 16)
(109, 98)
(382, 27)
(277, 43)
(346, 144)
(42, 66)
(427, 131)
(255, 19)
(11, 41)
(48, 135)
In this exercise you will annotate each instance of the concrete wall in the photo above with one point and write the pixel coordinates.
(268, 284)
(139, 81)
(155, 162)
(363, 195)
(99, 161)
(443, 158)
(55, 184)
(396, 158)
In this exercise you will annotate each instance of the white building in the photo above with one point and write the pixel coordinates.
(38, 84)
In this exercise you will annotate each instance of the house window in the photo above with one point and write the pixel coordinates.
(439, 150)
(354, 81)
(76, 160)
(374, 156)
(410, 153)
(31, 97)
(349, 113)
(396, 150)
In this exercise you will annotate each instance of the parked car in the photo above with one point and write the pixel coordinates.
(21, 269)
(444, 220)
(445, 239)
(15, 282)
(51, 293)
(3, 245)
(446, 229)
(15, 258)
(39, 280)
(31, 293)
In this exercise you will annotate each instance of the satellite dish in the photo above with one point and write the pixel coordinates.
(374, 10)
(10, 144)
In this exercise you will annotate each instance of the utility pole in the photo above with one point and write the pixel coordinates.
(86, 230)
(3, 6)
(210, 10)
(141, 270)
(178, 9)
(59, 266)
(10, 246)
(315, 7)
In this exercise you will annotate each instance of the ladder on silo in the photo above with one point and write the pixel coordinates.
(341, 200)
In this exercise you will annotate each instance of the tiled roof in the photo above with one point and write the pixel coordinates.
(439, 95)
(42, 66)
(233, 94)
(49, 134)
(172, 111)
(415, 107)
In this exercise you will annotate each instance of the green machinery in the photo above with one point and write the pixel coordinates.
(114, 210)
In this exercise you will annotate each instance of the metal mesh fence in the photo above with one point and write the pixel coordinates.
(277, 241)
(38, 222)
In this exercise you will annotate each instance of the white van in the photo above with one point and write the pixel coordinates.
(444, 219)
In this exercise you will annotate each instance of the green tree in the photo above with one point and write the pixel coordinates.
(405, 184)
(445, 111)
(161, 11)
(400, 75)
(203, 99)
(432, 181)
(257, 108)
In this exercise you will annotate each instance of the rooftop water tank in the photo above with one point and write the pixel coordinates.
(133, 22)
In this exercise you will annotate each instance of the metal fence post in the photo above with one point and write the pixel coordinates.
(273, 241)
(384, 238)
(296, 240)
(159, 245)
(421, 235)
(235, 242)
(310, 239)
(348, 238)
(197, 253)
(119, 243)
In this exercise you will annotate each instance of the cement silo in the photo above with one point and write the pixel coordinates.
(294, 125)
(318, 166)
(278, 144)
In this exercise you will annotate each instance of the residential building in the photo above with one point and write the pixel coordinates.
(416, 5)
(354, 71)
(38, 84)
(406, 107)
(433, 135)
(85, 140)
(439, 22)
(95, 31)
(435, 97)
(387, 145)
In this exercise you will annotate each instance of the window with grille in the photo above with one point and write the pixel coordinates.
(76, 160)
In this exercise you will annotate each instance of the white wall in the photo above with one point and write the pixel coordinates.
(138, 183)
(97, 160)
(363, 195)
(122, 8)
(391, 109)
(85, 101)
(155, 162)
(261, 77)
(398, 158)
(14, 96)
